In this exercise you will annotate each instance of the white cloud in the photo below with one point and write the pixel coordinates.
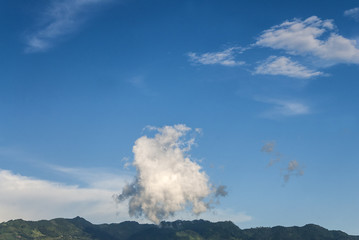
(167, 181)
(354, 13)
(225, 58)
(299, 37)
(60, 19)
(291, 108)
(34, 199)
(284, 108)
(285, 66)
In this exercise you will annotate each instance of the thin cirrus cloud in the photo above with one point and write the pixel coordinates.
(305, 38)
(225, 58)
(353, 13)
(94, 178)
(139, 83)
(274, 65)
(284, 108)
(61, 18)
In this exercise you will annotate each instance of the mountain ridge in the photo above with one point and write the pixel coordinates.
(81, 229)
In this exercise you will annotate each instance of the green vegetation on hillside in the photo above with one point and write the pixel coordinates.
(80, 229)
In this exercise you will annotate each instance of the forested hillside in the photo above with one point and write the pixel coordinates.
(80, 229)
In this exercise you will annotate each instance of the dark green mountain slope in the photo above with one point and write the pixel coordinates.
(80, 229)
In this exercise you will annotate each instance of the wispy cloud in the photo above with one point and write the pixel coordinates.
(61, 18)
(225, 58)
(139, 82)
(284, 108)
(52, 199)
(305, 37)
(268, 147)
(95, 177)
(285, 66)
(293, 168)
(353, 13)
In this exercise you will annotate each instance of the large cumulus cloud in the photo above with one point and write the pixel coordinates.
(167, 179)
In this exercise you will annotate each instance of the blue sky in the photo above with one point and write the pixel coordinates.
(273, 86)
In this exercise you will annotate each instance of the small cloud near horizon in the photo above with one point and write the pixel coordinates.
(50, 200)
